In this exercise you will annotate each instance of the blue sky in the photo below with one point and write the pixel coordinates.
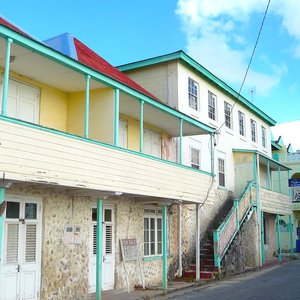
(219, 34)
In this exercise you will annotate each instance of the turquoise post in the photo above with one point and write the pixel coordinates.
(279, 179)
(216, 250)
(141, 126)
(6, 77)
(291, 227)
(278, 238)
(255, 169)
(269, 175)
(180, 142)
(99, 250)
(116, 117)
(212, 159)
(165, 255)
(87, 106)
(2, 197)
(262, 249)
(236, 204)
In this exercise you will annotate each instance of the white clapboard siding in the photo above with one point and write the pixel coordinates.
(274, 202)
(34, 155)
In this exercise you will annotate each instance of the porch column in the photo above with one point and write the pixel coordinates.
(262, 248)
(291, 227)
(2, 197)
(116, 117)
(198, 242)
(165, 254)
(141, 126)
(278, 238)
(269, 175)
(180, 142)
(99, 250)
(179, 240)
(279, 180)
(87, 106)
(212, 154)
(6, 77)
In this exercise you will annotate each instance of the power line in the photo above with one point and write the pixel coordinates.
(249, 64)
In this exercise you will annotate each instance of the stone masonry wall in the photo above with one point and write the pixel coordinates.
(271, 246)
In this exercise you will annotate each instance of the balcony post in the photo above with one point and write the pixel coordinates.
(279, 179)
(116, 117)
(2, 198)
(212, 158)
(179, 240)
(198, 242)
(99, 250)
(269, 175)
(87, 106)
(262, 248)
(278, 238)
(291, 228)
(165, 254)
(180, 142)
(6, 77)
(141, 126)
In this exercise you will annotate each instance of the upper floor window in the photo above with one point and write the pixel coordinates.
(152, 143)
(253, 130)
(193, 94)
(221, 171)
(195, 158)
(242, 123)
(227, 114)
(263, 136)
(123, 133)
(212, 103)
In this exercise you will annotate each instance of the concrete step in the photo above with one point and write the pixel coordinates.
(204, 275)
(211, 268)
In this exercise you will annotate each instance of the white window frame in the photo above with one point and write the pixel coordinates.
(193, 94)
(263, 136)
(123, 132)
(242, 129)
(155, 214)
(212, 106)
(253, 130)
(221, 171)
(152, 133)
(195, 164)
(228, 115)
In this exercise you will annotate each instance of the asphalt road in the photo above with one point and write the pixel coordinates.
(276, 283)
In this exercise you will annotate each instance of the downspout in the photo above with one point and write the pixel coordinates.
(180, 142)
(6, 77)
(262, 239)
(212, 158)
(99, 250)
(165, 254)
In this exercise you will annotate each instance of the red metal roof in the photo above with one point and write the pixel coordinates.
(8, 24)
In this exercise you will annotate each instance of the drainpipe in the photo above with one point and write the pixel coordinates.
(198, 242)
(99, 250)
(165, 254)
(116, 117)
(291, 234)
(141, 126)
(6, 77)
(87, 106)
(278, 238)
(179, 240)
(2, 197)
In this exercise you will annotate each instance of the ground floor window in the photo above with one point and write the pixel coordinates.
(152, 232)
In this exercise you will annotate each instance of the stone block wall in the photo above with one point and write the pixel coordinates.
(271, 246)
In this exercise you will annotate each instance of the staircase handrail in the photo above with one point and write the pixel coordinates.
(226, 232)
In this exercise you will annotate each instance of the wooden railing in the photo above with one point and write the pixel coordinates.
(227, 231)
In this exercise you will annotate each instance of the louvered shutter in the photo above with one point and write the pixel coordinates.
(30, 243)
(108, 239)
(12, 244)
(94, 239)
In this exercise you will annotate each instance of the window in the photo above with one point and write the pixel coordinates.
(152, 232)
(242, 123)
(123, 133)
(263, 136)
(195, 158)
(221, 170)
(152, 143)
(227, 113)
(193, 94)
(253, 130)
(212, 103)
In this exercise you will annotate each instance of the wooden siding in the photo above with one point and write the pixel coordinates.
(30, 154)
(276, 203)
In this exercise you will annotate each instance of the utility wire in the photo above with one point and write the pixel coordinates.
(249, 64)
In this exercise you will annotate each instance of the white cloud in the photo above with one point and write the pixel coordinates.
(216, 32)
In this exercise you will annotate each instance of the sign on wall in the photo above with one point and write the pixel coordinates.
(129, 249)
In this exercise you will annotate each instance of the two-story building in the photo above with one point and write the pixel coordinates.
(91, 185)
(239, 153)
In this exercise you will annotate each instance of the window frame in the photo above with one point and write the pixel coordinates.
(212, 109)
(228, 115)
(263, 136)
(193, 94)
(242, 127)
(195, 165)
(155, 214)
(221, 172)
(253, 127)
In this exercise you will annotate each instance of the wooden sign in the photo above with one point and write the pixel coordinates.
(129, 249)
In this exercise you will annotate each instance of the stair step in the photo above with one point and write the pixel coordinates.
(211, 268)
(204, 275)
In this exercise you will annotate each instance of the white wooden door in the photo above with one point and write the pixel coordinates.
(108, 250)
(20, 269)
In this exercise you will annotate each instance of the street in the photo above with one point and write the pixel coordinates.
(276, 283)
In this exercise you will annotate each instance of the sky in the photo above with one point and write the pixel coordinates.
(219, 34)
